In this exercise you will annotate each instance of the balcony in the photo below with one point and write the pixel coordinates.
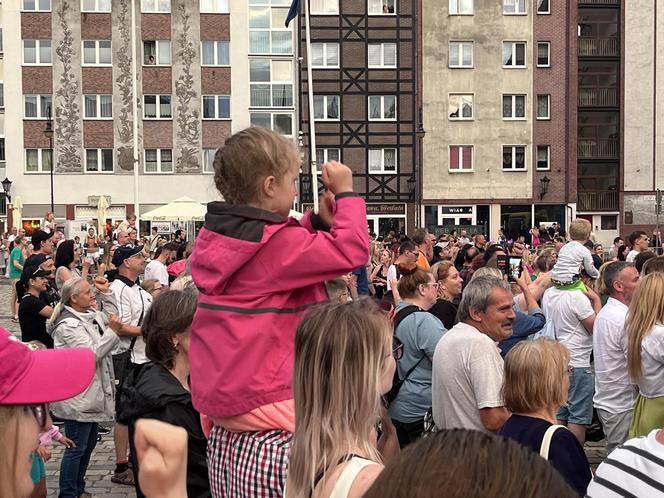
(601, 148)
(598, 97)
(598, 201)
(598, 47)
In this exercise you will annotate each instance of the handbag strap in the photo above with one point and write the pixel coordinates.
(140, 319)
(546, 440)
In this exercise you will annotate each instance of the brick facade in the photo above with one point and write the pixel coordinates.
(95, 26)
(97, 134)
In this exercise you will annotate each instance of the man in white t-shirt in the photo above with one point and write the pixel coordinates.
(638, 240)
(156, 269)
(573, 316)
(467, 366)
(614, 392)
(408, 253)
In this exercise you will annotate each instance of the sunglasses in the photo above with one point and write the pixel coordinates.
(40, 412)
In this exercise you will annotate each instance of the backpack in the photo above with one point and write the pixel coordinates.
(391, 395)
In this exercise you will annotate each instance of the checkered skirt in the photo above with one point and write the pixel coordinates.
(248, 464)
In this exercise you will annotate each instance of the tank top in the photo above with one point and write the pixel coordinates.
(345, 481)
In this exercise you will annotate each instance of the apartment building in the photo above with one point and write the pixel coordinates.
(74, 60)
(366, 104)
(499, 130)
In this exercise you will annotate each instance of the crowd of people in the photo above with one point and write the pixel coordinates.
(308, 358)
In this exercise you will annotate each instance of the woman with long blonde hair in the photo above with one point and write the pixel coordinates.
(645, 345)
(344, 362)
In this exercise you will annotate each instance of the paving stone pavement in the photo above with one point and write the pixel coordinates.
(101, 467)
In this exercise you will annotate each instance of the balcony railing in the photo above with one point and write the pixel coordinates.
(598, 46)
(599, 2)
(598, 97)
(603, 148)
(598, 201)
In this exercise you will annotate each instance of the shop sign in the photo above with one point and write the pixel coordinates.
(93, 200)
(386, 209)
(457, 210)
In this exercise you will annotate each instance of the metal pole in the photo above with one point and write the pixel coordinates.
(50, 143)
(137, 210)
(658, 207)
(312, 125)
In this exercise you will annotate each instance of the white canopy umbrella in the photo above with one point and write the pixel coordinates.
(17, 213)
(182, 209)
(102, 209)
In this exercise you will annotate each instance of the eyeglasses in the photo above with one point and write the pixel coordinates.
(435, 284)
(397, 349)
(40, 412)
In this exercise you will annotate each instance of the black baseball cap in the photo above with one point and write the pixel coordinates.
(124, 252)
(40, 236)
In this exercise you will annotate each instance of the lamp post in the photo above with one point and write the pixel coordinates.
(544, 186)
(7, 186)
(420, 133)
(48, 132)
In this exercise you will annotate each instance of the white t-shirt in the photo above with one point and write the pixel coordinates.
(133, 303)
(391, 275)
(635, 469)
(613, 390)
(157, 270)
(48, 226)
(467, 376)
(566, 309)
(652, 362)
(631, 256)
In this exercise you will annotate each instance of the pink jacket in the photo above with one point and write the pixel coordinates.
(258, 274)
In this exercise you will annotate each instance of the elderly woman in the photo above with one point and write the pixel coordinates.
(161, 389)
(76, 323)
(535, 386)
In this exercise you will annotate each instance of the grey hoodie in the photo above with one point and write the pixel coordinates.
(74, 330)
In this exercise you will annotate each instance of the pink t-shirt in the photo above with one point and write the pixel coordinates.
(279, 415)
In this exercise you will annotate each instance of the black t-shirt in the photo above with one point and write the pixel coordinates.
(565, 453)
(33, 325)
(446, 312)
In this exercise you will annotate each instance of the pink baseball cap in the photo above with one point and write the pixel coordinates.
(30, 377)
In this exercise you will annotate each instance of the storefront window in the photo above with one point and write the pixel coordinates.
(516, 219)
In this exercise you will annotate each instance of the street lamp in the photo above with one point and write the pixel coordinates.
(7, 186)
(544, 186)
(48, 132)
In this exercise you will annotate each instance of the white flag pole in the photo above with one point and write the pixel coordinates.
(312, 126)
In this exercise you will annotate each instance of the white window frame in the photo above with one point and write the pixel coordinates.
(324, 48)
(98, 116)
(454, 5)
(272, 83)
(96, 9)
(157, 52)
(325, 105)
(36, 9)
(97, 53)
(515, 4)
(514, 97)
(382, 3)
(158, 107)
(514, 65)
(38, 43)
(40, 160)
(382, 108)
(273, 115)
(543, 12)
(513, 168)
(548, 158)
(205, 152)
(472, 103)
(460, 44)
(2, 42)
(216, 53)
(548, 107)
(156, 8)
(3, 160)
(382, 46)
(220, 7)
(326, 155)
(99, 170)
(334, 12)
(279, 28)
(159, 161)
(382, 161)
(548, 53)
(461, 169)
(39, 96)
(216, 107)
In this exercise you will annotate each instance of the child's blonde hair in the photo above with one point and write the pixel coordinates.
(247, 158)
(580, 229)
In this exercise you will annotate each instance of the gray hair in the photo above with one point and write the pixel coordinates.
(612, 272)
(477, 294)
(69, 289)
(487, 271)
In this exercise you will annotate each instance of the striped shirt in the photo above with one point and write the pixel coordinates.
(635, 469)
